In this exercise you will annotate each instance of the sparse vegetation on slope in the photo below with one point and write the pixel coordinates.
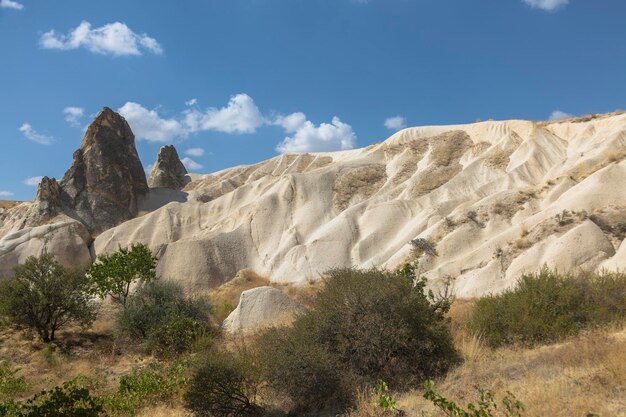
(548, 306)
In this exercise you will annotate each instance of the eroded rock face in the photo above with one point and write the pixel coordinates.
(103, 184)
(68, 241)
(168, 171)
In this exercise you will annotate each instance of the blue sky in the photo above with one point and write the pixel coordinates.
(237, 81)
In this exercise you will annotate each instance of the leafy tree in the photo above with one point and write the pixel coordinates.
(69, 400)
(113, 275)
(45, 296)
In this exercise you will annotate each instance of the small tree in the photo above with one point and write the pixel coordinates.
(46, 296)
(113, 275)
(224, 385)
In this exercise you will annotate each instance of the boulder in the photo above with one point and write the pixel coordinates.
(168, 170)
(260, 308)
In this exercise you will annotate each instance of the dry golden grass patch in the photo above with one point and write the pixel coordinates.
(7, 204)
(586, 374)
(76, 352)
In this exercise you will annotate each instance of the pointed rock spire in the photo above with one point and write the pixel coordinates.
(168, 170)
(103, 184)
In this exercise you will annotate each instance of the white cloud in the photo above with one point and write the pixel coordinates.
(10, 4)
(292, 122)
(548, 5)
(325, 137)
(241, 115)
(6, 193)
(148, 168)
(31, 134)
(190, 164)
(112, 39)
(395, 123)
(73, 115)
(191, 102)
(558, 114)
(33, 181)
(148, 125)
(198, 152)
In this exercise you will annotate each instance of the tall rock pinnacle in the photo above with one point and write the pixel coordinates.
(168, 171)
(105, 180)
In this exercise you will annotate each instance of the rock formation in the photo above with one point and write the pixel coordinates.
(493, 199)
(47, 202)
(260, 308)
(102, 186)
(168, 170)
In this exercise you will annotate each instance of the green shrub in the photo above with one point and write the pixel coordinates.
(160, 315)
(176, 336)
(114, 274)
(548, 306)
(224, 385)
(364, 326)
(46, 296)
(72, 399)
(301, 370)
(149, 385)
(486, 406)
(10, 385)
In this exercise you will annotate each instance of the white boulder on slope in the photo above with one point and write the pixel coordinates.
(260, 308)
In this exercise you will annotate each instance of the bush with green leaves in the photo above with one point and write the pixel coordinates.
(225, 384)
(153, 384)
(486, 406)
(113, 275)
(10, 384)
(384, 400)
(71, 399)
(548, 306)
(45, 296)
(161, 316)
(365, 325)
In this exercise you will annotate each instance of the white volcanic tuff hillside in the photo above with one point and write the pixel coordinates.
(497, 198)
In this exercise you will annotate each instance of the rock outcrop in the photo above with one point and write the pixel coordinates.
(494, 198)
(102, 186)
(260, 308)
(48, 202)
(67, 240)
(168, 170)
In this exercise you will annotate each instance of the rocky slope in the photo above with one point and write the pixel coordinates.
(482, 202)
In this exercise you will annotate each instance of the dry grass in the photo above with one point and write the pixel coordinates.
(91, 353)
(583, 375)
(163, 411)
(7, 204)
(358, 184)
(523, 243)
